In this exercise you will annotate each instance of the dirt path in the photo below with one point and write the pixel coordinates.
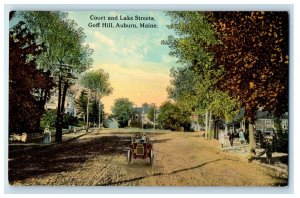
(181, 159)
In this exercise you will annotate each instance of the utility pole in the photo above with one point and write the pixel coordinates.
(143, 117)
(154, 116)
(87, 112)
(100, 111)
(63, 75)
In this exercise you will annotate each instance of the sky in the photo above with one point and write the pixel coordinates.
(137, 63)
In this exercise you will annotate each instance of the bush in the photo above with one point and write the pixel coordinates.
(136, 124)
(49, 120)
(148, 126)
(69, 120)
(282, 143)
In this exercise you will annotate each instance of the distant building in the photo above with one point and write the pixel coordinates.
(264, 120)
(141, 114)
(69, 103)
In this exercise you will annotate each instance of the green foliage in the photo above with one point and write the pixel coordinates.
(69, 120)
(194, 33)
(282, 144)
(98, 82)
(136, 124)
(81, 103)
(123, 110)
(49, 119)
(94, 112)
(223, 106)
(63, 38)
(172, 117)
(193, 86)
(152, 111)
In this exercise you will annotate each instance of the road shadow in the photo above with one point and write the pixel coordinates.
(67, 156)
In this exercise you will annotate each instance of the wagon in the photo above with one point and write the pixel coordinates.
(140, 147)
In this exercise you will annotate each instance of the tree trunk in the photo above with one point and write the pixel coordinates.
(251, 135)
(209, 124)
(62, 108)
(100, 114)
(87, 115)
(216, 134)
(206, 124)
(58, 133)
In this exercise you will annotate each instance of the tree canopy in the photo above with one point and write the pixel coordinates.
(122, 110)
(98, 82)
(29, 87)
(63, 38)
(194, 84)
(173, 118)
(254, 55)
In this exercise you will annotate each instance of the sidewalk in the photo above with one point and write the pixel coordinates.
(38, 142)
(279, 163)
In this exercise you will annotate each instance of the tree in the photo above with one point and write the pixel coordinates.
(197, 94)
(123, 109)
(49, 119)
(254, 55)
(152, 111)
(94, 111)
(29, 87)
(193, 86)
(65, 51)
(194, 33)
(81, 103)
(172, 117)
(98, 83)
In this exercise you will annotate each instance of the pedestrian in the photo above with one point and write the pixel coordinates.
(47, 136)
(268, 148)
(231, 136)
(242, 136)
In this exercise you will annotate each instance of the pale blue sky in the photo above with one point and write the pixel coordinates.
(137, 63)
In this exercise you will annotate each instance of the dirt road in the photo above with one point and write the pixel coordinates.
(97, 159)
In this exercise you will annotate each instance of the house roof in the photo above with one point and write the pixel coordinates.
(140, 110)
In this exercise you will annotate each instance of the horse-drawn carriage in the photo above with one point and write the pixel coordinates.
(140, 147)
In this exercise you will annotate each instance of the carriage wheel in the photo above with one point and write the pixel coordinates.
(151, 156)
(129, 156)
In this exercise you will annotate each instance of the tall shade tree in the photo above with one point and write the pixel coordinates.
(122, 110)
(65, 51)
(255, 55)
(97, 82)
(29, 87)
(193, 86)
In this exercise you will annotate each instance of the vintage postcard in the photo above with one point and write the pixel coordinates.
(148, 98)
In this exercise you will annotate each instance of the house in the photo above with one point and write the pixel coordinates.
(264, 120)
(140, 117)
(141, 114)
(69, 103)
